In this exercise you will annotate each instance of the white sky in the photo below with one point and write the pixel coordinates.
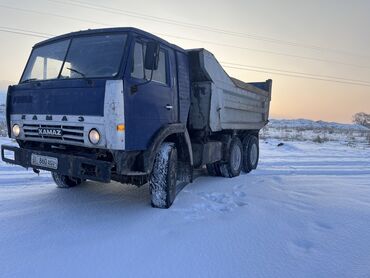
(332, 25)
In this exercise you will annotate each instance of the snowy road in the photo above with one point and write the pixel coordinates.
(304, 213)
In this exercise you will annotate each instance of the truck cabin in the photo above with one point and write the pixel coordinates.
(78, 77)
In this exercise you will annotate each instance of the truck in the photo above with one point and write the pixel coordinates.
(122, 104)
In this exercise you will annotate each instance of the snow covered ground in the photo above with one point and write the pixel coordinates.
(2, 96)
(2, 112)
(305, 212)
(317, 131)
(2, 120)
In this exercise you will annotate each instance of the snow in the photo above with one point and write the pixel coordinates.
(309, 124)
(2, 97)
(2, 112)
(317, 131)
(305, 212)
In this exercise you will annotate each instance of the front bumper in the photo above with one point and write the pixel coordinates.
(69, 165)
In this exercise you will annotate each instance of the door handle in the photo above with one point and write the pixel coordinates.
(169, 107)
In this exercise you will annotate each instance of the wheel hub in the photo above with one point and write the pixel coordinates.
(236, 157)
(254, 154)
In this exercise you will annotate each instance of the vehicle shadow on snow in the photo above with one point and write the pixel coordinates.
(114, 201)
(92, 193)
(113, 194)
(111, 203)
(117, 202)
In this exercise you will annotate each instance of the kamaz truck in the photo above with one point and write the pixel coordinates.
(122, 104)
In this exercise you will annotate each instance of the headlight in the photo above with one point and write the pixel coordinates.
(16, 130)
(94, 136)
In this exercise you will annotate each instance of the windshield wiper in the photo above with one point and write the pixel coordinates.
(29, 80)
(78, 72)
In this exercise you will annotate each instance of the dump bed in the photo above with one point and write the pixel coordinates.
(220, 102)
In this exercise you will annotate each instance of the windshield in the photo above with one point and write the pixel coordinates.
(83, 57)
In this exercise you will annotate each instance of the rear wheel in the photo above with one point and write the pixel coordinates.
(250, 153)
(163, 178)
(233, 165)
(63, 181)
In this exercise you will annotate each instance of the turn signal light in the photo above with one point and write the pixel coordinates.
(121, 127)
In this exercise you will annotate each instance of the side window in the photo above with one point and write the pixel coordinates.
(46, 68)
(137, 70)
(159, 75)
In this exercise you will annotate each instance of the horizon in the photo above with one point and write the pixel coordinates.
(318, 74)
(2, 103)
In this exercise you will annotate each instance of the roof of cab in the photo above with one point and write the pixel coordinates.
(110, 30)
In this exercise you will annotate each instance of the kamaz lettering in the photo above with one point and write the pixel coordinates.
(50, 132)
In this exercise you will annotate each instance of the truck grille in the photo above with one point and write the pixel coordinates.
(70, 133)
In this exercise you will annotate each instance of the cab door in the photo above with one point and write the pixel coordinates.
(149, 105)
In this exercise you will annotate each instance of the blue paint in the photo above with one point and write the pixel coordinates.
(261, 85)
(145, 110)
(72, 97)
(129, 30)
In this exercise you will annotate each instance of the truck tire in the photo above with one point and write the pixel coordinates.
(63, 181)
(232, 167)
(250, 153)
(213, 169)
(162, 181)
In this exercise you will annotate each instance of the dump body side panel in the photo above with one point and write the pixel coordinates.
(232, 104)
(238, 109)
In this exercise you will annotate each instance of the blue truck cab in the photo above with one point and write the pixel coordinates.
(122, 104)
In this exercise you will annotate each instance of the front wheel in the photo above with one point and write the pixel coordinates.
(163, 178)
(63, 181)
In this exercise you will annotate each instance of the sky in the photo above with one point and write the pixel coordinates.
(300, 45)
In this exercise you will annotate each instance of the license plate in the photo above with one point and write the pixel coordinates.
(8, 154)
(44, 161)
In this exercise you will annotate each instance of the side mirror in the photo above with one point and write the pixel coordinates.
(151, 56)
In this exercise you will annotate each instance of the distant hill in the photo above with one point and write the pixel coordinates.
(305, 124)
(3, 89)
(2, 112)
(2, 97)
(2, 121)
(316, 131)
